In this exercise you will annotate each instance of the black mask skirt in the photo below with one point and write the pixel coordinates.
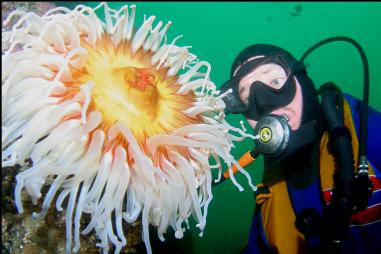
(262, 98)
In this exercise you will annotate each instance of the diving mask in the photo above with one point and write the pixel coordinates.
(263, 98)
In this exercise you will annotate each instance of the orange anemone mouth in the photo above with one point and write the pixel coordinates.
(109, 124)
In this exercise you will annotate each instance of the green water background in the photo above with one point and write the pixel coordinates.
(218, 31)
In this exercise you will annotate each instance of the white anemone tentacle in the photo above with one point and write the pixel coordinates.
(49, 117)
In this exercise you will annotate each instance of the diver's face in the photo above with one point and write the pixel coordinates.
(274, 76)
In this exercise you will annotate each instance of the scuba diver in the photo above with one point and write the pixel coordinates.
(321, 186)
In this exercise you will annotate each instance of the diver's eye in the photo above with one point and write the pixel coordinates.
(276, 83)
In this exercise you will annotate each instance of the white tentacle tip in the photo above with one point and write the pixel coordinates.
(19, 209)
(179, 233)
(76, 249)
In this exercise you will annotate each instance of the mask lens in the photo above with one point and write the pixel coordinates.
(264, 99)
(272, 88)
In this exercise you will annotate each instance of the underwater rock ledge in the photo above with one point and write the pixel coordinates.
(21, 233)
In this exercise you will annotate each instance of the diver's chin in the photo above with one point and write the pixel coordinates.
(293, 118)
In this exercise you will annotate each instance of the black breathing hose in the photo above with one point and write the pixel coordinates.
(350, 193)
(340, 138)
(332, 102)
(365, 99)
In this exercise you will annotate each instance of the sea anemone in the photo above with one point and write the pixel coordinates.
(114, 120)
